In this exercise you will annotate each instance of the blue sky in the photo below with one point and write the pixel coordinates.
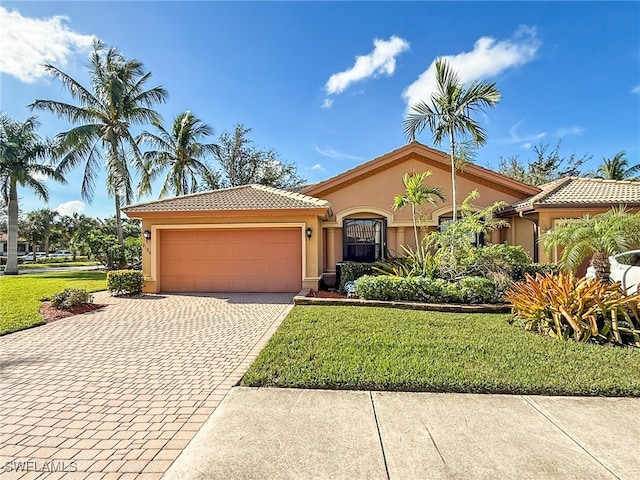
(328, 84)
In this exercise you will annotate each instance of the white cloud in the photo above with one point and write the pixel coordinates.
(331, 153)
(382, 60)
(27, 43)
(327, 103)
(71, 207)
(318, 167)
(636, 89)
(563, 132)
(516, 137)
(487, 59)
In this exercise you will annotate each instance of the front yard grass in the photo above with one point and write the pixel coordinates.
(368, 348)
(21, 295)
(35, 266)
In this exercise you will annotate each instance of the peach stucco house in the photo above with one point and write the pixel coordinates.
(258, 239)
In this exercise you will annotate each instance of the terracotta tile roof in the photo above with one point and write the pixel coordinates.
(573, 191)
(245, 197)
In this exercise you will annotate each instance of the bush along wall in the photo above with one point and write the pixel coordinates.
(125, 282)
(350, 271)
(470, 290)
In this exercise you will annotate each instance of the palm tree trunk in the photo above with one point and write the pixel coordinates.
(11, 268)
(602, 267)
(453, 177)
(118, 220)
(415, 226)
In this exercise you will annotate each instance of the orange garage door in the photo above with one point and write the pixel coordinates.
(231, 260)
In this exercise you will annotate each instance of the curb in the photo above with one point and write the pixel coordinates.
(302, 299)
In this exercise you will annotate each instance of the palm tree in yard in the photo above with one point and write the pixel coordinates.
(617, 168)
(416, 194)
(448, 115)
(22, 154)
(183, 154)
(600, 236)
(43, 220)
(116, 100)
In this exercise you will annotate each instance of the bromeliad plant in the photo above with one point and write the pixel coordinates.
(564, 307)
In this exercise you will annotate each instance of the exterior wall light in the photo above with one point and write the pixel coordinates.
(309, 232)
(147, 234)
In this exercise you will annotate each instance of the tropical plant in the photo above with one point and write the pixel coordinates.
(182, 153)
(455, 241)
(416, 194)
(564, 307)
(616, 168)
(43, 222)
(22, 154)
(449, 114)
(413, 263)
(70, 297)
(598, 237)
(117, 100)
(242, 163)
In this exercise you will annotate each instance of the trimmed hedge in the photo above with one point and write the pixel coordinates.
(471, 290)
(125, 282)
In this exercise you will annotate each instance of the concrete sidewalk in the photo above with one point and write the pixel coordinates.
(298, 434)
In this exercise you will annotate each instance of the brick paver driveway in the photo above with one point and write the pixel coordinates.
(119, 392)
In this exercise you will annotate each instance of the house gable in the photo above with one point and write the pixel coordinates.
(374, 184)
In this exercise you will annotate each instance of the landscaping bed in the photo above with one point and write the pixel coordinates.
(370, 348)
(51, 314)
(22, 295)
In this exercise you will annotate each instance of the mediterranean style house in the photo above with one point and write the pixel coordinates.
(254, 238)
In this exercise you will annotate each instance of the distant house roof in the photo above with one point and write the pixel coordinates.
(586, 192)
(243, 198)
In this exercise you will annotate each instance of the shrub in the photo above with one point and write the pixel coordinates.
(350, 271)
(125, 282)
(532, 269)
(567, 308)
(3, 260)
(70, 297)
(418, 263)
(498, 258)
(422, 289)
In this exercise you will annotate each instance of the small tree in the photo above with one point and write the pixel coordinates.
(416, 194)
(448, 115)
(598, 237)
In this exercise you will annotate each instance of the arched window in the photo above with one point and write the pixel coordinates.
(363, 239)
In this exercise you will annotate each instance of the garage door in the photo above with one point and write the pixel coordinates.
(231, 260)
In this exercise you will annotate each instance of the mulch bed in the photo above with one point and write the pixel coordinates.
(326, 294)
(51, 314)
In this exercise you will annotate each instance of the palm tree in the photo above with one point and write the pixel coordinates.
(21, 151)
(43, 221)
(449, 114)
(116, 100)
(616, 168)
(600, 236)
(183, 153)
(416, 194)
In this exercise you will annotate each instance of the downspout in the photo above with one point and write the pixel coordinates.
(536, 229)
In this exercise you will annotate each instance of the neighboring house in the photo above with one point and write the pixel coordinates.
(23, 247)
(255, 239)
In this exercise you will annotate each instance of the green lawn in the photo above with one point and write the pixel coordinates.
(387, 349)
(21, 295)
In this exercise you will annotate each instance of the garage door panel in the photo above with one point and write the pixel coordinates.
(231, 260)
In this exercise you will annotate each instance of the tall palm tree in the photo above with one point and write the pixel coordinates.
(117, 99)
(600, 236)
(416, 194)
(183, 153)
(616, 168)
(21, 164)
(449, 114)
(43, 220)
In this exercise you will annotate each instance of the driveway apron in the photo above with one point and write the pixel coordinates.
(119, 392)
